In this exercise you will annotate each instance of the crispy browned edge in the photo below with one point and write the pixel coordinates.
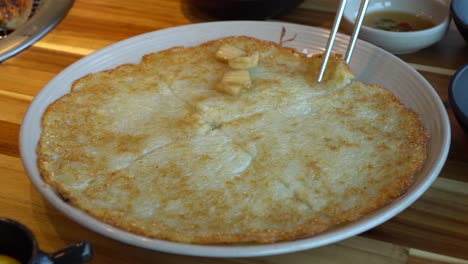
(308, 229)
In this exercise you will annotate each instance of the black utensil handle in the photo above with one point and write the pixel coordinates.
(77, 253)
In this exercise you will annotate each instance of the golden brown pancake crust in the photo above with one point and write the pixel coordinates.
(155, 150)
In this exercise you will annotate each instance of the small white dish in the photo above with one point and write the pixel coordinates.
(438, 11)
(369, 63)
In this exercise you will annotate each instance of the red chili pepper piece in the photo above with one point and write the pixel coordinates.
(405, 25)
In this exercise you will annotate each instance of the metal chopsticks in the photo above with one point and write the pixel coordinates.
(352, 40)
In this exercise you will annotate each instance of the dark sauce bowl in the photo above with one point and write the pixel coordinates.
(459, 11)
(19, 243)
(243, 9)
(458, 96)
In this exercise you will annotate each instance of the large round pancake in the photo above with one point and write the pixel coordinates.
(154, 149)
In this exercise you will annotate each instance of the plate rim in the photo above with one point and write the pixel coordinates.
(337, 234)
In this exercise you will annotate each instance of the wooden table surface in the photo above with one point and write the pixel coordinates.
(432, 230)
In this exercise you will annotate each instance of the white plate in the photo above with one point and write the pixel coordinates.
(371, 64)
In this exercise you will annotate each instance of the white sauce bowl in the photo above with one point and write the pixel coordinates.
(437, 11)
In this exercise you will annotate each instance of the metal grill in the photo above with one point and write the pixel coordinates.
(35, 6)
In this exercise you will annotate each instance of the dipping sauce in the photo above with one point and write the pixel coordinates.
(396, 21)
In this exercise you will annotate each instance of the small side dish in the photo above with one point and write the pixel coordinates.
(459, 11)
(458, 96)
(400, 26)
(397, 21)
